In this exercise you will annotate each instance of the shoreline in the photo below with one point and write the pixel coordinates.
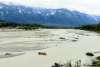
(64, 45)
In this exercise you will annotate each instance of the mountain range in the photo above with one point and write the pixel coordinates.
(53, 17)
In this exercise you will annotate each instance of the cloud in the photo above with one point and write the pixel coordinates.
(88, 6)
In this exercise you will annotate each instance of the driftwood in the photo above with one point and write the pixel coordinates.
(62, 38)
(8, 54)
(57, 65)
(89, 54)
(42, 53)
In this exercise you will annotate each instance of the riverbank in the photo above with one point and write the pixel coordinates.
(59, 45)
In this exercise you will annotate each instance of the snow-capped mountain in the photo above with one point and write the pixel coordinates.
(53, 17)
(97, 18)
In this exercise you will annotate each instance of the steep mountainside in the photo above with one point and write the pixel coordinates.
(53, 17)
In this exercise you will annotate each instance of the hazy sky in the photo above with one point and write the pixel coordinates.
(88, 6)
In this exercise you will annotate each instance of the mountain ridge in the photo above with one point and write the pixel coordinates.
(54, 17)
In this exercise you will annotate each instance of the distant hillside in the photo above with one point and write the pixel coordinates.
(51, 17)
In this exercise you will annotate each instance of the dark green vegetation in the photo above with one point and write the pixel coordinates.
(94, 27)
(97, 63)
(11, 25)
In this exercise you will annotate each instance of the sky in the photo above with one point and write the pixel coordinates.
(87, 6)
